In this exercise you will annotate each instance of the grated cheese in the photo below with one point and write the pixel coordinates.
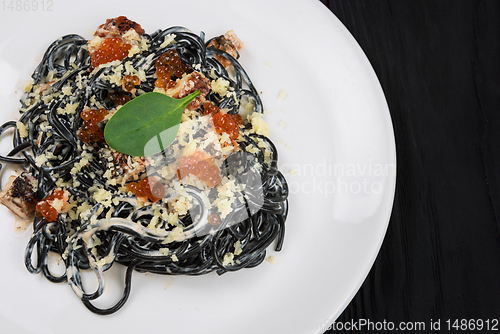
(27, 86)
(237, 248)
(169, 39)
(175, 235)
(220, 86)
(271, 259)
(23, 132)
(103, 196)
(259, 125)
(69, 109)
(40, 160)
(66, 90)
(282, 95)
(228, 259)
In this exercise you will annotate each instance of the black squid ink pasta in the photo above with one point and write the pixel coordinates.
(213, 200)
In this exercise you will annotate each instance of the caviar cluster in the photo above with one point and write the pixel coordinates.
(227, 123)
(169, 65)
(209, 108)
(45, 209)
(111, 49)
(118, 98)
(130, 81)
(148, 187)
(200, 165)
(224, 122)
(90, 132)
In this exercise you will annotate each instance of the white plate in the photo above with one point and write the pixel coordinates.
(336, 145)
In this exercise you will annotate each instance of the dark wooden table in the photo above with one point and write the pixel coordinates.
(438, 62)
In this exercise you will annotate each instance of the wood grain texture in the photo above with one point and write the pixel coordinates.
(439, 65)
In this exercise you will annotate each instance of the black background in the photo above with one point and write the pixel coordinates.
(438, 64)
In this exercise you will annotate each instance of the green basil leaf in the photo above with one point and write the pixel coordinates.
(147, 124)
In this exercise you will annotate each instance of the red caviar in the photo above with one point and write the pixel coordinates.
(227, 123)
(112, 48)
(90, 132)
(214, 219)
(130, 81)
(209, 108)
(148, 187)
(223, 122)
(45, 209)
(202, 166)
(118, 98)
(169, 66)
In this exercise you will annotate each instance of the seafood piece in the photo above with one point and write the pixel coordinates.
(19, 195)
